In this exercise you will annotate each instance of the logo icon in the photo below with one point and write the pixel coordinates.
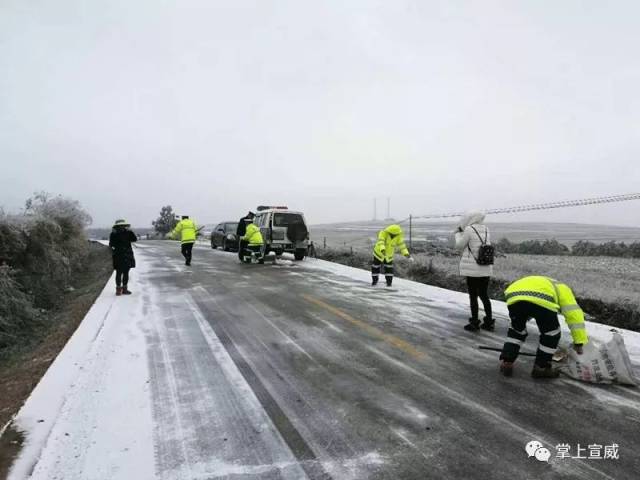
(543, 454)
(537, 450)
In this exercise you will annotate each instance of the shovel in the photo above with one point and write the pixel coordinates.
(497, 349)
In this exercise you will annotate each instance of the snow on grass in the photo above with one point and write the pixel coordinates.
(609, 279)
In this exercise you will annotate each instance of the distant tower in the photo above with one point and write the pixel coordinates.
(375, 209)
(388, 207)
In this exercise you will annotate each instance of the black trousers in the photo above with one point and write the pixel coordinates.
(249, 250)
(520, 313)
(186, 251)
(382, 265)
(479, 287)
(122, 277)
(242, 244)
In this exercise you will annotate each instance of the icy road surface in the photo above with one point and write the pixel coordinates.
(302, 370)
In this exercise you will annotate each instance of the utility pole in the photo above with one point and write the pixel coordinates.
(388, 207)
(375, 209)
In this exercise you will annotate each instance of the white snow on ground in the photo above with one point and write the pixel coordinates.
(92, 406)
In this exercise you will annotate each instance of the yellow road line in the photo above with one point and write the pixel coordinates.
(376, 332)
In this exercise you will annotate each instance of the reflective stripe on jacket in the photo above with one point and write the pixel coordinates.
(253, 235)
(187, 230)
(388, 240)
(552, 295)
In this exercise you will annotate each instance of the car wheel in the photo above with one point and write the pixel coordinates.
(224, 245)
(213, 245)
(300, 253)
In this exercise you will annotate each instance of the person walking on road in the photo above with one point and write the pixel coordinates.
(242, 230)
(389, 239)
(188, 232)
(541, 298)
(120, 242)
(471, 236)
(253, 244)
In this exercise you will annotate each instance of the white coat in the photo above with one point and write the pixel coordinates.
(469, 243)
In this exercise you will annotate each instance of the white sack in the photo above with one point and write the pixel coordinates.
(600, 363)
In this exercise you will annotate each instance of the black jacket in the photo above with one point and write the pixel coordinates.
(120, 243)
(242, 226)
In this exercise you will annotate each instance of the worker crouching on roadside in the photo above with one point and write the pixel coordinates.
(383, 251)
(541, 298)
(120, 242)
(253, 244)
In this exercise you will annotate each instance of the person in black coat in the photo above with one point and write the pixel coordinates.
(241, 230)
(123, 260)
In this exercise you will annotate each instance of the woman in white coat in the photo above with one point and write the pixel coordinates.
(470, 235)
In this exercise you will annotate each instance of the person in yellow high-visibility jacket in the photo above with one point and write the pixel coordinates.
(253, 244)
(188, 233)
(541, 298)
(388, 240)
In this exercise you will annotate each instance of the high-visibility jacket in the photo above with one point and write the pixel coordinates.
(253, 235)
(552, 295)
(187, 230)
(388, 240)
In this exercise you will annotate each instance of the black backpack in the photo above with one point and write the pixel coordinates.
(486, 253)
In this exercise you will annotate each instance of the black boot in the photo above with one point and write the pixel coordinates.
(544, 372)
(374, 281)
(488, 324)
(389, 281)
(473, 325)
(506, 368)
(125, 290)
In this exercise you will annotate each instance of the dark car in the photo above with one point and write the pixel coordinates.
(224, 235)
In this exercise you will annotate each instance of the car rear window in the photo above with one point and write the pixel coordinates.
(231, 227)
(286, 219)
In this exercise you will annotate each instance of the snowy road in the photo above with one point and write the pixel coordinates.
(302, 370)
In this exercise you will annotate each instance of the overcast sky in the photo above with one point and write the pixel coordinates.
(215, 107)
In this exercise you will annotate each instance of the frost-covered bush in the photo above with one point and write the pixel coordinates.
(13, 238)
(45, 245)
(67, 214)
(17, 316)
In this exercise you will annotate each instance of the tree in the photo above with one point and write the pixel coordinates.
(166, 221)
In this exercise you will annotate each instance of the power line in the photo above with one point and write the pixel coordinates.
(542, 206)
(520, 208)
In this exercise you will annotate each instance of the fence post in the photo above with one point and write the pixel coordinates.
(352, 250)
(410, 232)
(324, 243)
